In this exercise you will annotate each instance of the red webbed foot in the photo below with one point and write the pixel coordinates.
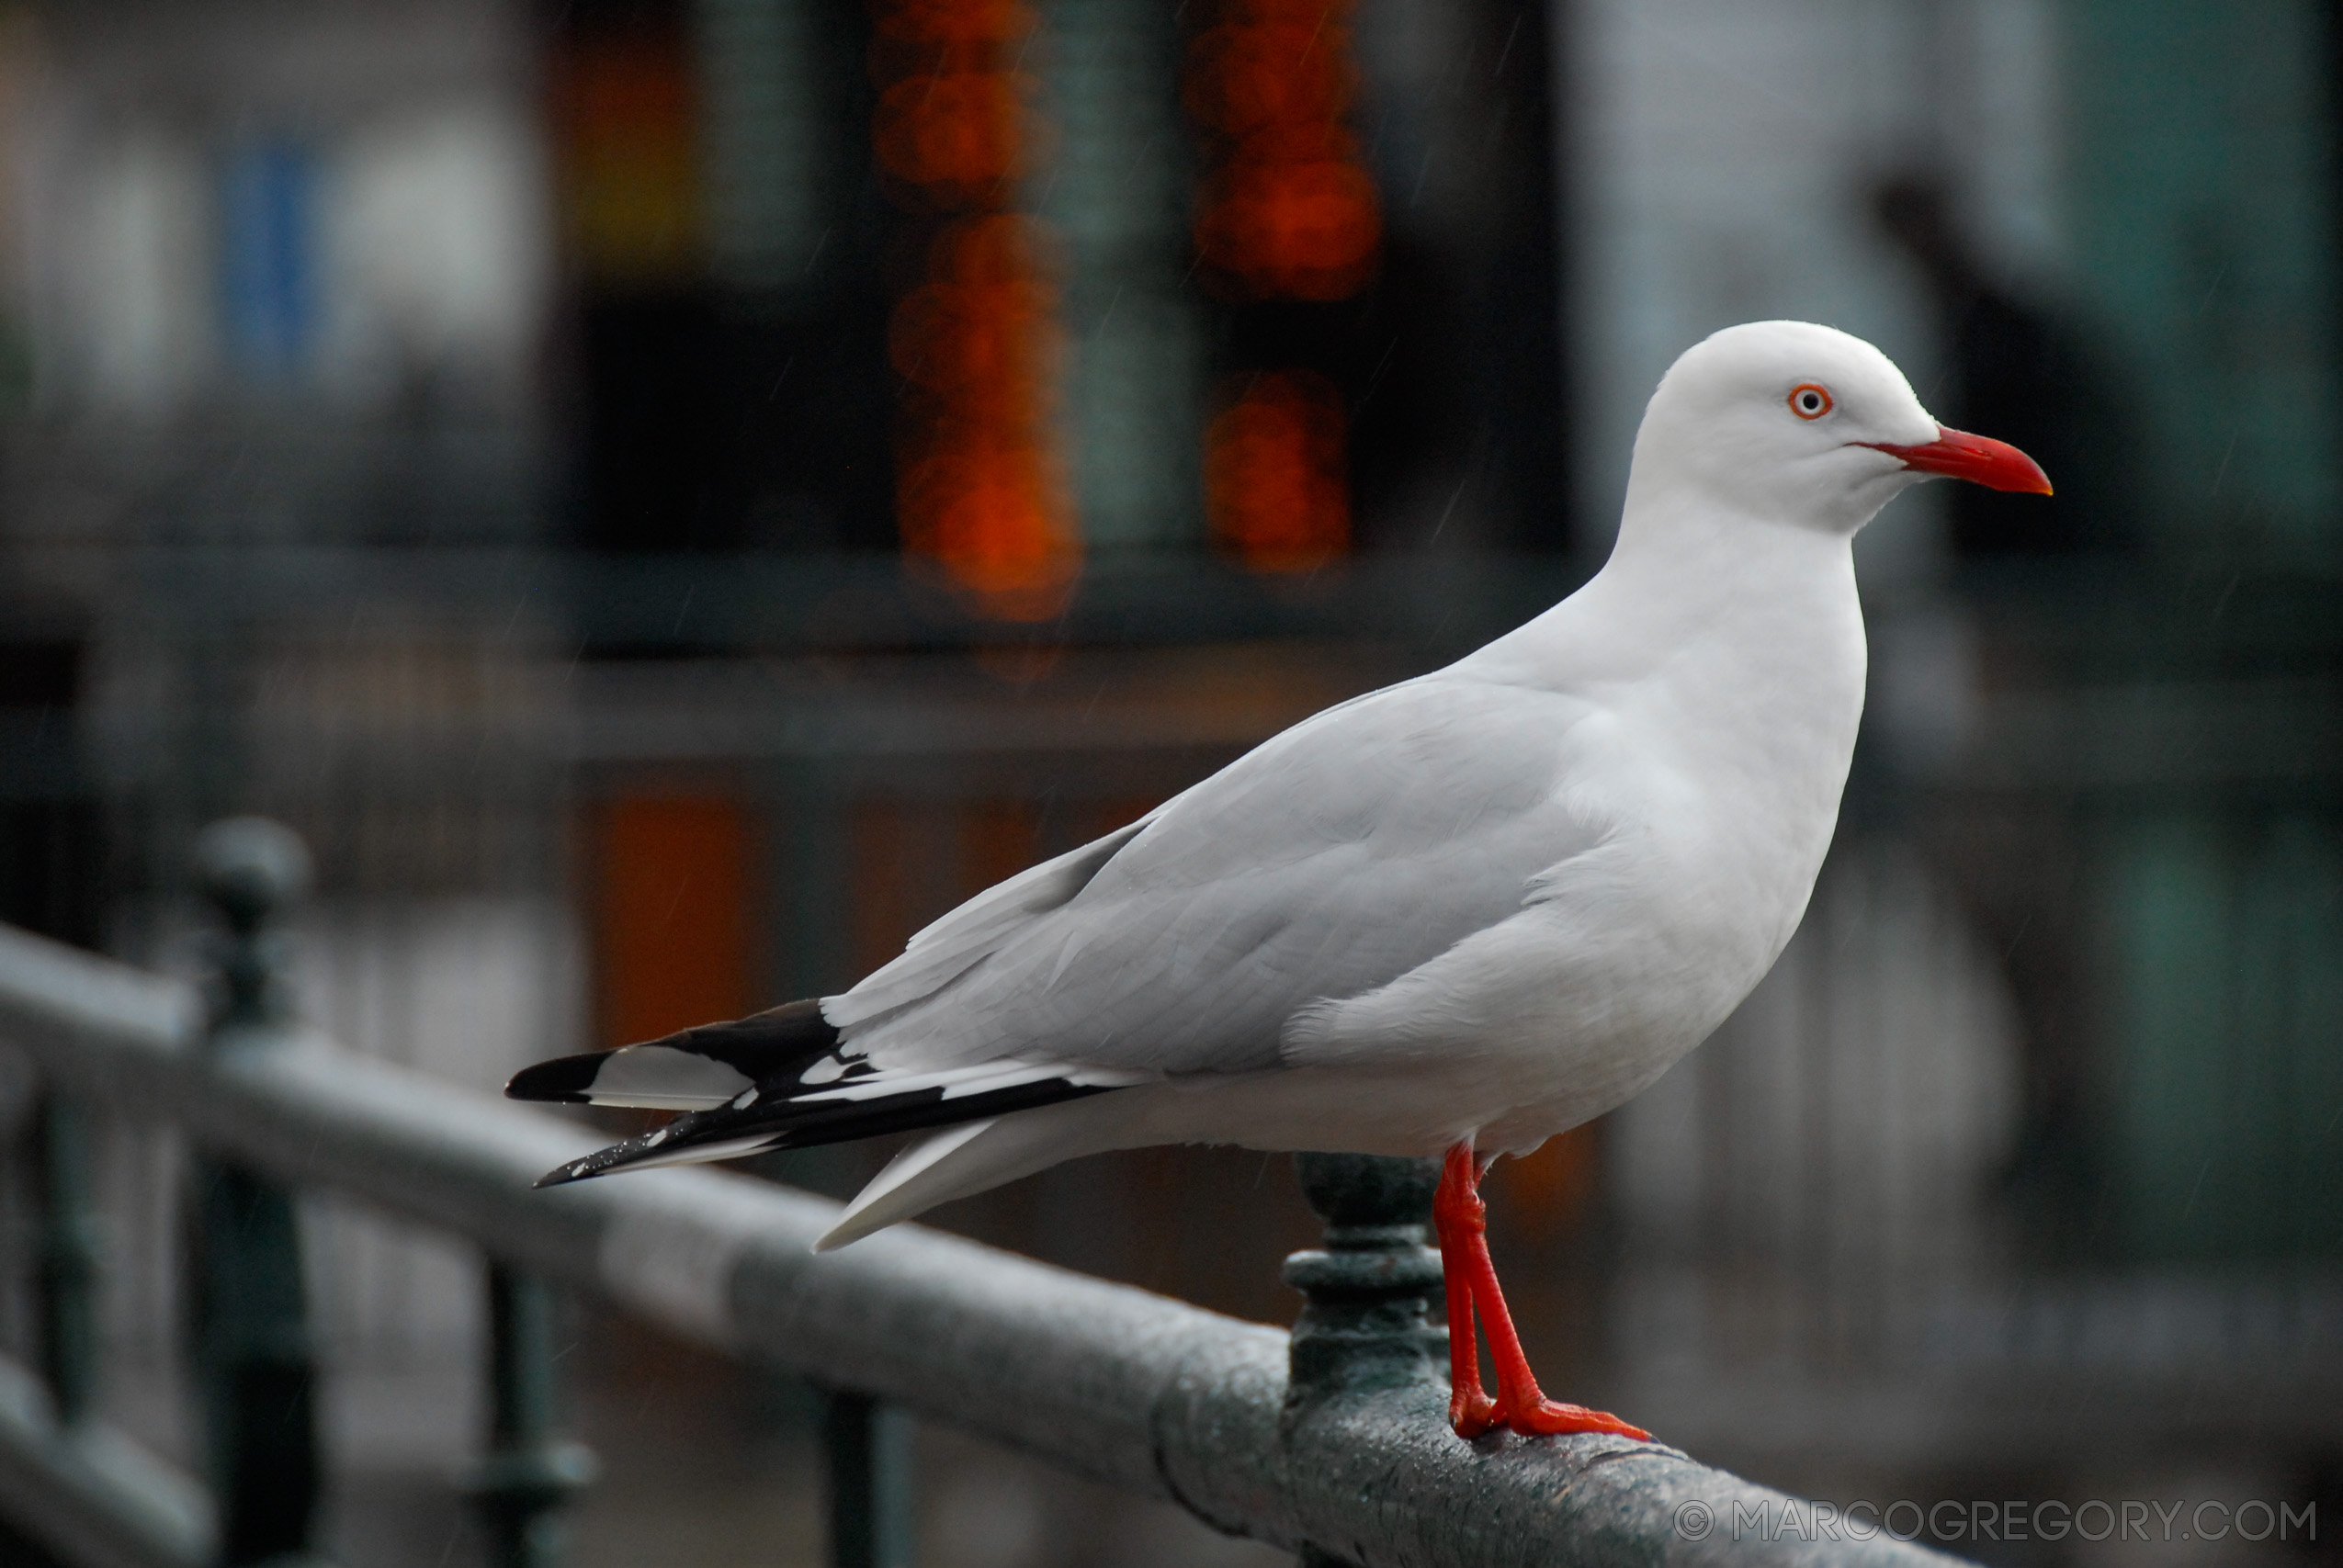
(1550, 1418)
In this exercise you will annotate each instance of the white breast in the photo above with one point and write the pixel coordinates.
(1718, 768)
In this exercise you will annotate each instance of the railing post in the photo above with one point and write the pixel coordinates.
(68, 1259)
(867, 1450)
(1364, 1325)
(530, 1473)
(248, 1308)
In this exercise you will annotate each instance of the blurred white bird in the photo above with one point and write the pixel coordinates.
(1453, 917)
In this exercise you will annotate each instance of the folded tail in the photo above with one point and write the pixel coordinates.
(782, 1080)
(957, 1161)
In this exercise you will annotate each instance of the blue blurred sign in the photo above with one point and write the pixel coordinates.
(268, 263)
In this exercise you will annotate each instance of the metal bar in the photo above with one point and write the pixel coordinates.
(254, 1361)
(68, 1260)
(867, 1455)
(530, 1473)
(1102, 1378)
(89, 1495)
(253, 1364)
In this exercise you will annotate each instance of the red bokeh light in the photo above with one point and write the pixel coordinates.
(1294, 231)
(979, 490)
(968, 24)
(1287, 212)
(1274, 489)
(959, 132)
(1247, 77)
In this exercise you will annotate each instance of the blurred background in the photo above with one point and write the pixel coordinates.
(670, 495)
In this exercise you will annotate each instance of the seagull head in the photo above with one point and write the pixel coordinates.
(1800, 423)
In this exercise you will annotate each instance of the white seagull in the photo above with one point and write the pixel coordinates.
(1453, 917)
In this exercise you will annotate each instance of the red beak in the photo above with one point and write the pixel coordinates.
(1996, 464)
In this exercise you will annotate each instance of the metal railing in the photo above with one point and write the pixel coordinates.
(1332, 1442)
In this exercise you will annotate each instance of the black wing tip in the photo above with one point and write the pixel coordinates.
(562, 1174)
(619, 1155)
(564, 1080)
(794, 1030)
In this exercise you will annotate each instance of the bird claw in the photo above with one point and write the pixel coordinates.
(1472, 1412)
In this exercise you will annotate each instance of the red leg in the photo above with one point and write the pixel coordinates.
(1459, 1216)
(1456, 1217)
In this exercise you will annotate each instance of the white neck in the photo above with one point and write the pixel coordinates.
(1729, 649)
(1690, 586)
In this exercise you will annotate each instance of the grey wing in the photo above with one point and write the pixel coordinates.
(1328, 862)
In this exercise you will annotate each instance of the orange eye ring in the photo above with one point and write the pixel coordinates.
(1809, 401)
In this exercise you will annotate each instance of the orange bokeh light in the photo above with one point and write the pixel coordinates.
(1244, 78)
(1294, 231)
(992, 518)
(1274, 490)
(1287, 213)
(970, 23)
(959, 131)
(980, 490)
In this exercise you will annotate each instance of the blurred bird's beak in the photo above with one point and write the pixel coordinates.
(1957, 455)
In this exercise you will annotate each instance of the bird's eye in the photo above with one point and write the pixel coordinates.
(1809, 401)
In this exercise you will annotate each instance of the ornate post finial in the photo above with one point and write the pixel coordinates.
(1365, 1324)
(252, 870)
